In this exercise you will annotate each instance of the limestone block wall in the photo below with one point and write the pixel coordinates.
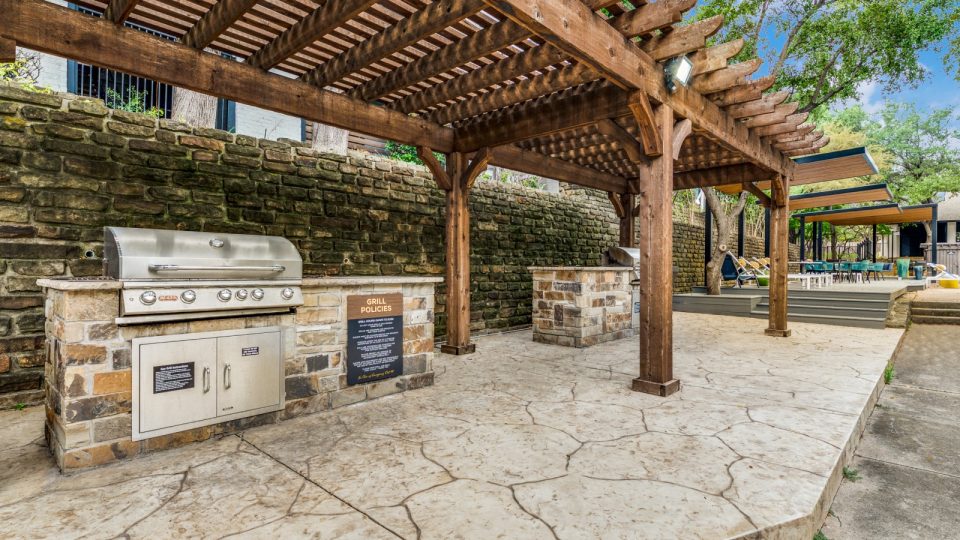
(69, 166)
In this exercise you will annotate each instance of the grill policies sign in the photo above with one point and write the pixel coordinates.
(374, 337)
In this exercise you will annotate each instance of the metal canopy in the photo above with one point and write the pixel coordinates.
(908, 214)
(859, 194)
(852, 214)
(838, 165)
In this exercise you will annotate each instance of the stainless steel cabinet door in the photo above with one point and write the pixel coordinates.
(248, 372)
(177, 383)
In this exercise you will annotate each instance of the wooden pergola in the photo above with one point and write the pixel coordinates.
(556, 88)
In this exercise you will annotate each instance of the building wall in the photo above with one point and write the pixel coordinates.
(70, 166)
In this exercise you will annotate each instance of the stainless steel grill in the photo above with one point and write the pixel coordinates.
(627, 256)
(188, 275)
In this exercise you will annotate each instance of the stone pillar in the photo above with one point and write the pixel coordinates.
(656, 262)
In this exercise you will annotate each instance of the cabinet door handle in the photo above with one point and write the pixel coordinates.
(226, 376)
(206, 380)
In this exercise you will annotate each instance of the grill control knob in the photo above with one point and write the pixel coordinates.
(287, 293)
(257, 294)
(242, 294)
(148, 298)
(188, 297)
(224, 295)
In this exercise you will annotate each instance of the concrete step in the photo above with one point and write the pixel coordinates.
(923, 319)
(812, 293)
(838, 320)
(923, 304)
(832, 310)
(935, 311)
(795, 300)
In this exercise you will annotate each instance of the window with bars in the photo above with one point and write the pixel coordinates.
(117, 88)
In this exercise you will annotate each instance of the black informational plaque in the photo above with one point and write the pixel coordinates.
(171, 377)
(374, 337)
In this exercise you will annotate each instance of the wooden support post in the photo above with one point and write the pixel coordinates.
(779, 240)
(624, 204)
(656, 267)
(458, 258)
(8, 50)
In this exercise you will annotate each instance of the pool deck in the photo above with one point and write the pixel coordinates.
(520, 440)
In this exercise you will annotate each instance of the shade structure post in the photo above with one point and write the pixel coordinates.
(934, 225)
(458, 259)
(628, 222)
(873, 246)
(655, 241)
(779, 252)
(741, 232)
(803, 238)
(707, 244)
(766, 232)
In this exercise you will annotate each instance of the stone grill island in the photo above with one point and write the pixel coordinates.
(89, 363)
(580, 306)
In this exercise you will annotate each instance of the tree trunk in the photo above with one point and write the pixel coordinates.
(329, 139)
(725, 225)
(833, 243)
(194, 108)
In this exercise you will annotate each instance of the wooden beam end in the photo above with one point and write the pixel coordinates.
(8, 50)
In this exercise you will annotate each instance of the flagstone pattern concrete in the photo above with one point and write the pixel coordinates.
(520, 440)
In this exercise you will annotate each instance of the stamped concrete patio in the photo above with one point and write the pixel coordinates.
(520, 440)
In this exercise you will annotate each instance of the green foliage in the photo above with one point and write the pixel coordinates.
(20, 406)
(135, 102)
(820, 536)
(830, 47)
(889, 373)
(923, 163)
(851, 474)
(402, 152)
(23, 71)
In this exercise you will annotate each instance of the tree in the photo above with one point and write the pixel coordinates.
(329, 139)
(724, 213)
(823, 50)
(194, 108)
(923, 158)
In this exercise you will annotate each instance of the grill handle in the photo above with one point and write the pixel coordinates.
(181, 268)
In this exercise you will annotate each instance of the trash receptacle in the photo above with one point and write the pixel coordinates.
(918, 272)
(903, 268)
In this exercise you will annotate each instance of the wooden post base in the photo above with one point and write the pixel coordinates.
(458, 350)
(778, 333)
(655, 388)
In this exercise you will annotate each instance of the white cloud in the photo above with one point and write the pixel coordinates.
(869, 99)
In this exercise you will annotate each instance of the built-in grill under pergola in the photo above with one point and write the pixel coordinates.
(567, 89)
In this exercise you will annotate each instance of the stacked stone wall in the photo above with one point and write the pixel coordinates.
(69, 166)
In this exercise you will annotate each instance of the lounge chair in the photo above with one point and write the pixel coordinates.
(731, 270)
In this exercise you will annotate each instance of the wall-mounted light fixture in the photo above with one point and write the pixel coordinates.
(678, 70)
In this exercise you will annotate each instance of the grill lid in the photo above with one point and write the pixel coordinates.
(156, 254)
(624, 256)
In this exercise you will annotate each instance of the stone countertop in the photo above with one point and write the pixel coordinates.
(106, 284)
(80, 284)
(343, 281)
(580, 268)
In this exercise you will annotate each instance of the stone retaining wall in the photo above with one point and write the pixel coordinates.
(69, 166)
